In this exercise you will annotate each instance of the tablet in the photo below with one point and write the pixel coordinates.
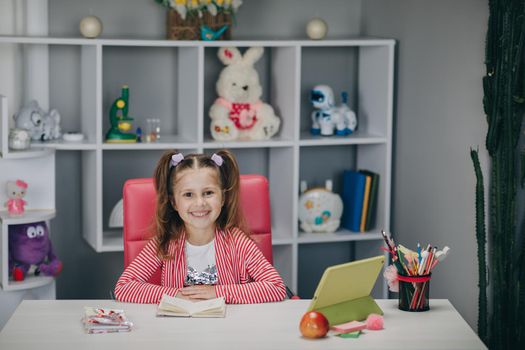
(343, 293)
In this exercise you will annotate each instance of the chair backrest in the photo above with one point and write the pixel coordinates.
(139, 210)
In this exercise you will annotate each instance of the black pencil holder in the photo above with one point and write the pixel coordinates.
(414, 293)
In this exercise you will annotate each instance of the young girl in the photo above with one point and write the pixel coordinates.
(199, 245)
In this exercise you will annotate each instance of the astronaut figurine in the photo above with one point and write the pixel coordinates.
(327, 117)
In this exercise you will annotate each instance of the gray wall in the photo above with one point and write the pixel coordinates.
(439, 116)
(440, 57)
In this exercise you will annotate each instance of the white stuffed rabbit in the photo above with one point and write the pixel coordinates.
(238, 113)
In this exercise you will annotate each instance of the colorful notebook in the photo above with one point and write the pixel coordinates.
(353, 194)
(366, 197)
(372, 199)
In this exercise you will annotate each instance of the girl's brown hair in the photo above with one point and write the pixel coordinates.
(168, 223)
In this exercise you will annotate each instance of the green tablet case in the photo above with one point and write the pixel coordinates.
(343, 293)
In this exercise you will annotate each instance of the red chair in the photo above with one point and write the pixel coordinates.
(139, 211)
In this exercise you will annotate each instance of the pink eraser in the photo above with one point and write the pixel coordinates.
(374, 322)
(349, 327)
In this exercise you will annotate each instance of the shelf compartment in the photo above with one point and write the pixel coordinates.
(371, 157)
(316, 165)
(278, 78)
(366, 76)
(336, 67)
(163, 84)
(74, 90)
(41, 180)
(29, 282)
(5, 124)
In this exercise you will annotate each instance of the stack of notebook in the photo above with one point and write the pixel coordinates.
(98, 320)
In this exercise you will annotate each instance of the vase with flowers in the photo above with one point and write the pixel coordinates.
(200, 19)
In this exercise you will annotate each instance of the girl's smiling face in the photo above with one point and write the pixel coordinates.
(198, 199)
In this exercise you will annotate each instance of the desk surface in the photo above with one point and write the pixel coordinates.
(55, 324)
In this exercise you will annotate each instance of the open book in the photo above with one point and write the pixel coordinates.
(173, 306)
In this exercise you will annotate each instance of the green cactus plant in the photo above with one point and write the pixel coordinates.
(503, 102)
(481, 241)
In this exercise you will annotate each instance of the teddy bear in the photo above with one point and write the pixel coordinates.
(41, 126)
(29, 245)
(238, 113)
(16, 190)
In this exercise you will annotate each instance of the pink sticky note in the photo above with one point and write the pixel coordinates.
(349, 327)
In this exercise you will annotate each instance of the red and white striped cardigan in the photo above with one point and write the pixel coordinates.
(244, 274)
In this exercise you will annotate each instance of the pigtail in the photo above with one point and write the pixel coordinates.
(231, 214)
(168, 223)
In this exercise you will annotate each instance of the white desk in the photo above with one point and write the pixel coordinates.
(55, 324)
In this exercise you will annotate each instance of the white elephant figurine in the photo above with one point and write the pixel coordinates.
(41, 126)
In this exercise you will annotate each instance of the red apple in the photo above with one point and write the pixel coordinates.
(313, 325)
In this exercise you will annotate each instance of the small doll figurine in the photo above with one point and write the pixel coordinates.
(16, 190)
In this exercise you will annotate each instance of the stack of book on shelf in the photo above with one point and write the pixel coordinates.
(359, 199)
(99, 320)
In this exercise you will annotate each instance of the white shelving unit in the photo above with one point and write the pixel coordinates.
(175, 81)
(36, 167)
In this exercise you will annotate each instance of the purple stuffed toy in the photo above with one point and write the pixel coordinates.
(29, 244)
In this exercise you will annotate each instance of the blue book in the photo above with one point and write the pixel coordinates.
(353, 195)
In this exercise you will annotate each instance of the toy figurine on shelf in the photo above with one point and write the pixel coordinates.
(238, 113)
(16, 190)
(120, 122)
(320, 209)
(41, 125)
(329, 117)
(208, 34)
(29, 245)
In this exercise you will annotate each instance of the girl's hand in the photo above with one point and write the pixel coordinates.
(181, 296)
(198, 292)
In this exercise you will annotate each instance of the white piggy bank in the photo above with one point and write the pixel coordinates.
(320, 209)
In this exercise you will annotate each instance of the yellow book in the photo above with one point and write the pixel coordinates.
(173, 306)
(366, 199)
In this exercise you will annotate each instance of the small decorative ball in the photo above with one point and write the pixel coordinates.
(90, 27)
(316, 29)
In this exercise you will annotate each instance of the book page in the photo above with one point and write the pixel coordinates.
(174, 305)
(208, 306)
(184, 307)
